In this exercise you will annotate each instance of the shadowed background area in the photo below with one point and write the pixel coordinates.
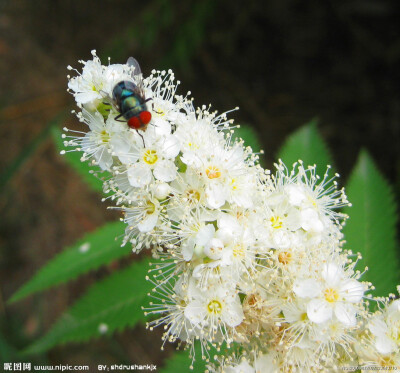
(283, 62)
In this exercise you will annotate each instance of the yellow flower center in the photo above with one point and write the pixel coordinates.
(150, 208)
(193, 195)
(98, 87)
(312, 201)
(285, 257)
(192, 145)
(387, 361)
(303, 316)
(331, 295)
(214, 307)
(238, 251)
(276, 222)
(104, 136)
(150, 156)
(395, 332)
(159, 112)
(213, 172)
(252, 300)
(233, 184)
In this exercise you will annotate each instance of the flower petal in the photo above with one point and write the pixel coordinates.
(310, 220)
(346, 314)
(296, 194)
(307, 288)
(319, 311)
(216, 195)
(233, 314)
(385, 345)
(161, 127)
(205, 234)
(195, 312)
(332, 274)
(139, 175)
(378, 327)
(147, 224)
(170, 146)
(188, 249)
(104, 158)
(165, 171)
(351, 290)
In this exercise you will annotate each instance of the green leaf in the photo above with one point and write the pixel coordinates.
(7, 351)
(94, 250)
(181, 361)
(371, 228)
(249, 135)
(110, 305)
(73, 158)
(306, 144)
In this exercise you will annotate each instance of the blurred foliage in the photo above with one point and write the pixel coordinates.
(92, 251)
(161, 17)
(180, 361)
(108, 306)
(9, 172)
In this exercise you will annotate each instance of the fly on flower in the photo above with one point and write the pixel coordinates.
(129, 99)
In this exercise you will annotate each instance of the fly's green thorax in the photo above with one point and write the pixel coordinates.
(132, 105)
(128, 98)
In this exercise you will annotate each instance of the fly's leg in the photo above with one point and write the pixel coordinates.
(144, 145)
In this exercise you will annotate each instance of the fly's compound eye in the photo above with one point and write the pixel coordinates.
(145, 117)
(134, 123)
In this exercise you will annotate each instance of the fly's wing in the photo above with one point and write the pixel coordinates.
(135, 65)
(137, 76)
(108, 100)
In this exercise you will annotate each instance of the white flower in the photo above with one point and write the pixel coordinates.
(196, 138)
(89, 83)
(143, 214)
(332, 294)
(266, 363)
(161, 89)
(96, 81)
(305, 190)
(188, 191)
(155, 156)
(105, 140)
(227, 177)
(263, 363)
(173, 306)
(386, 329)
(214, 308)
(195, 235)
(310, 220)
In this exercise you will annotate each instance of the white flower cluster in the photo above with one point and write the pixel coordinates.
(243, 256)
